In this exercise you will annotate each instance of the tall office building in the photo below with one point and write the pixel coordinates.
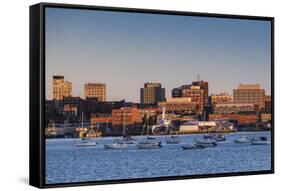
(251, 94)
(95, 90)
(177, 92)
(152, 93)
(196, 94)
(204, 86)
(61, 88)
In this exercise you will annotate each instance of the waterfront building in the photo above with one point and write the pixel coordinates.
(233, 108)
(101, 118)
(95, 90)
(250, 94)
(152, 93)
(107, 106)
(196, 94)
(70, 109)
(127, 116)
(240, 118)
(267, 103)
(189, 126)
(61, 88)
(266, 117)
(221, 98)
(53, 131)
(206, 125)
(179, 105)
(177, 92)
(205, 87)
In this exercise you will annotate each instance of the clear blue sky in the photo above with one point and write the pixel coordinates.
(125, 50)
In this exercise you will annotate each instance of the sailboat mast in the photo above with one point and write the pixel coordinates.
(123, 122)
(147, 123)
(82, 120)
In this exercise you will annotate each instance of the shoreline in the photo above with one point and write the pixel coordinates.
(172, 133)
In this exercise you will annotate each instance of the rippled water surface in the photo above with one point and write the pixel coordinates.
(66, 163)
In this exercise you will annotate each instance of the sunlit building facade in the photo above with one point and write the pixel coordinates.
(152, 93)
(221, 98)
(126, 116)
(250, 94)
(95, 90)
(61, 88)
(182, 105)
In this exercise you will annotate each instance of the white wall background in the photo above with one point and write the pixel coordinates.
(14, 74)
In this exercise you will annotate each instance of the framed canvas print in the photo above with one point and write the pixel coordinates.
(127, 95)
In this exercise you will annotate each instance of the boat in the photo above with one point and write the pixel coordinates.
(116, 145)
(121, 143)
(220, 137)
(242, 139)
(208, 136)
(150, 142)
(260, 141)
(206, 142)
(192, 147)
(128, 140)
(173, 140)
(85, 142)
(163, 123)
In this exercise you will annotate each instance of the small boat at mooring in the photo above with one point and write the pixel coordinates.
(127, 139)
(218, 137)
(173, 140)
(260, 141)
(85, 142)
(150, 143)
(206, 142)
(242, 139)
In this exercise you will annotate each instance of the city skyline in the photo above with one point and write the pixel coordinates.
(171, 50)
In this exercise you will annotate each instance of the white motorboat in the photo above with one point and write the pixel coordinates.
(242, 139)
(149, 144)
(192, 147)
(260, 141)
(116, 145)
(85, 142)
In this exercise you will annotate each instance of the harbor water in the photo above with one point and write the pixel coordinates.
(66, 163)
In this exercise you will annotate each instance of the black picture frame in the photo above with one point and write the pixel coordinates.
(37, 93)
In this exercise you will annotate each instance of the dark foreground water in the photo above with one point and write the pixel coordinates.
(66, 163)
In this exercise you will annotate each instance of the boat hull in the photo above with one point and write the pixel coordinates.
(241, 141)
(112, 146)
(148, 146)
(85, 145)
(172, 142)
(206, 144)
(260, 143)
